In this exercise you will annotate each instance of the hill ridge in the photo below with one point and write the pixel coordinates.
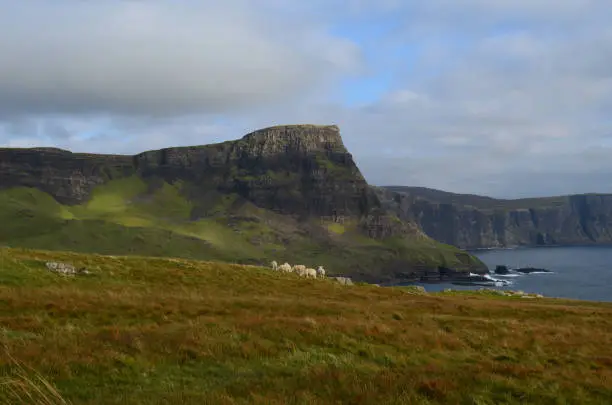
(472, 221)
(285, 192)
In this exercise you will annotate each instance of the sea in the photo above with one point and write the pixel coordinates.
(583, 273)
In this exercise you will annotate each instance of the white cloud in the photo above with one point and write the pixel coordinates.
(159, 57)
(508, 98)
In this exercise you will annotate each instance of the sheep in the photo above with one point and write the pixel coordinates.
(310, 273)
(299, 269)
(285, 268)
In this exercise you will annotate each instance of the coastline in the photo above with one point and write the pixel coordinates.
(519, 247)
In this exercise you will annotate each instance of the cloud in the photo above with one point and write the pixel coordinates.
(513, 111)
(505, 98)
(160, 57)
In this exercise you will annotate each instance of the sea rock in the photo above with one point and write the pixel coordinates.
(501, 270)
(527, 270)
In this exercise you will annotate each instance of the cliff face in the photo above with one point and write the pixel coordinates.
(469, 221)
(301, 170)
(310, 195)
(69, 177)
(298, 170)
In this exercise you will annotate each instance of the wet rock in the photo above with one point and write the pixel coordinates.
(501, 270)
(527, 270)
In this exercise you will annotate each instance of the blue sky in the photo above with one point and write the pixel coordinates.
(503, 98)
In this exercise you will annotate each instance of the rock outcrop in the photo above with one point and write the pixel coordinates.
(68, 177)
(343, 280)
(65, 268)
(297, 169)
(471, 222)
(302, 170)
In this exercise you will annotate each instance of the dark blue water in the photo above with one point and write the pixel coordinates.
(578, 272)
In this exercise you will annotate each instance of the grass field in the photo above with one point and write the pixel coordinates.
(131, 216)
(158, 331)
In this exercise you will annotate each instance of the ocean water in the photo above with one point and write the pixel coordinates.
(577, 272)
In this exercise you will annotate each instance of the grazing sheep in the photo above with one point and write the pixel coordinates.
(274, 265)
(320, 272)
(310, 273)
(285, 268)
(299, 269)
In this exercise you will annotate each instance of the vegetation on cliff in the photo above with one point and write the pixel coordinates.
(122, 218)
(153, 330)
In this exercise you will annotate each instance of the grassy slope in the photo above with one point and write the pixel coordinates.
(126, 216)
(156, 331)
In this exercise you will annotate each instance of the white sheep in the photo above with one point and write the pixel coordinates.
(299, 269)
(320, 272)
(274, 265)
(285, 268)
(310, 273)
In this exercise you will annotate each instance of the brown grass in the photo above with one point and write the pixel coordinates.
(28, 386)
(156, 331)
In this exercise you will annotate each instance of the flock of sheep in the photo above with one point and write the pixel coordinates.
(299, 269)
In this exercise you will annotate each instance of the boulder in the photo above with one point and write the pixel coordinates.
(343, 280)
(65, 268)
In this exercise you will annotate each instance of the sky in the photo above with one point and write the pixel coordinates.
(506, 98)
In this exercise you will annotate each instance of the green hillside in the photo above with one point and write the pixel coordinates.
(131, 216)
(152, 331)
